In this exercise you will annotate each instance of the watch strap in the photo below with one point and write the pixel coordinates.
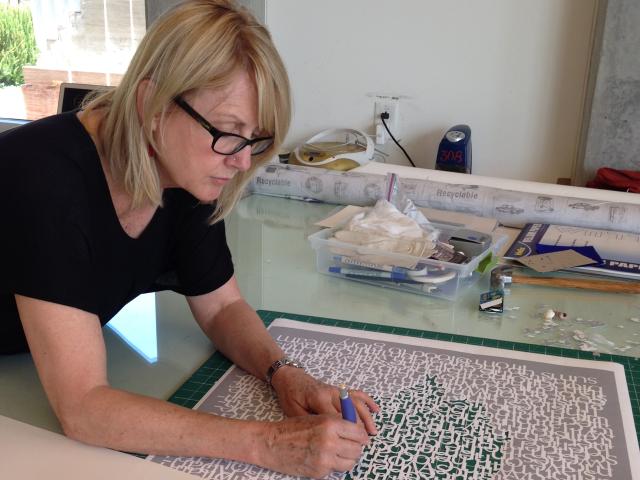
(278, 364)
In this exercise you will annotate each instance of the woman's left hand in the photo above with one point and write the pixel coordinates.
(301, 394)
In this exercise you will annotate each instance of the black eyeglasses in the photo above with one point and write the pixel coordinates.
(226, 143)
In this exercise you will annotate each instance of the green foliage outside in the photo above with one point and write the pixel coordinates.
(17, 44)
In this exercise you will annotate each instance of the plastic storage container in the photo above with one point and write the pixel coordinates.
(420, 275)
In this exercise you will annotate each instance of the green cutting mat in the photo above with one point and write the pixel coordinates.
(203, 379)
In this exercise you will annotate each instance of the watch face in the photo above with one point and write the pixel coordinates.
(292, 363)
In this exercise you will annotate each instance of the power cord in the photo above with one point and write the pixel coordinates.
(383, 117)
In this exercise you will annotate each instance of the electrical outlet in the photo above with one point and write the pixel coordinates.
(390, 105)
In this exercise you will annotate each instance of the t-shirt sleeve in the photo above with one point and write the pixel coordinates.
(47, 253)
(203, 259)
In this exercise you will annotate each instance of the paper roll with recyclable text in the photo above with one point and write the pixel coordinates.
(511, 208)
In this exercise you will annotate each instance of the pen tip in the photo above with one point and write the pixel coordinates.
(343, 391)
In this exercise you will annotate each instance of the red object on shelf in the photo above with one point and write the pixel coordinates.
(612, 179)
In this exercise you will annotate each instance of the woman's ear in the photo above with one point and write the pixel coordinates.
(144, 90)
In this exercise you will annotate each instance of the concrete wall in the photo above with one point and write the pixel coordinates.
(614, 129)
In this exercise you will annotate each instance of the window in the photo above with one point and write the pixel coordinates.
(78, 41)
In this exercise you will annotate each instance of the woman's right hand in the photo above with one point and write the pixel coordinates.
(313, 445)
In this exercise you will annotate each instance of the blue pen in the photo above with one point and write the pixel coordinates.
(346, 405)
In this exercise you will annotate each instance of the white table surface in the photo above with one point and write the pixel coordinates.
(275, 266)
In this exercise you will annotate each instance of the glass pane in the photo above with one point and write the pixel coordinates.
(44, 43)
(136, 325)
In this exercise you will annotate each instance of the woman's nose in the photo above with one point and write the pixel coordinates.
(242, 159)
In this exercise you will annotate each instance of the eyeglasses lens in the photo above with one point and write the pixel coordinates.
(229, 144)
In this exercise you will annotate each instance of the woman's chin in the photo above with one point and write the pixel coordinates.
(208, 194)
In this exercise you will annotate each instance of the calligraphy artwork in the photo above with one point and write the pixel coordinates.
(448, 410)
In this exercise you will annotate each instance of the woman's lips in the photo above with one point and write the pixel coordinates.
(220, 180)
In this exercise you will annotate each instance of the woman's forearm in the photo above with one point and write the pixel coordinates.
(239, 334)
(310, 446)
(124, 421)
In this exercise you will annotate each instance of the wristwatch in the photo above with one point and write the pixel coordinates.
(278, 364)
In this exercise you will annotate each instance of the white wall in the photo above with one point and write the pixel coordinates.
(514, 70)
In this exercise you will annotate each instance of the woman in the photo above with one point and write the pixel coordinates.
(128, 196)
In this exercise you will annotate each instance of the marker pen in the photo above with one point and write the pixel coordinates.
(393, 276)
(420, 269)
(346, 405)
(411, 284)
(398, 276)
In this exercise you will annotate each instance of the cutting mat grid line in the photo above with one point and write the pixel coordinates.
(210, 372)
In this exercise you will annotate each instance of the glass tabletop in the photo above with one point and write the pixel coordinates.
(154, 344)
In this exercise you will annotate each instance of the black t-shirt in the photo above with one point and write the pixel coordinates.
(62, 241)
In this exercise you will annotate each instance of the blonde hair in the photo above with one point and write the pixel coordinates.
(197, 44)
